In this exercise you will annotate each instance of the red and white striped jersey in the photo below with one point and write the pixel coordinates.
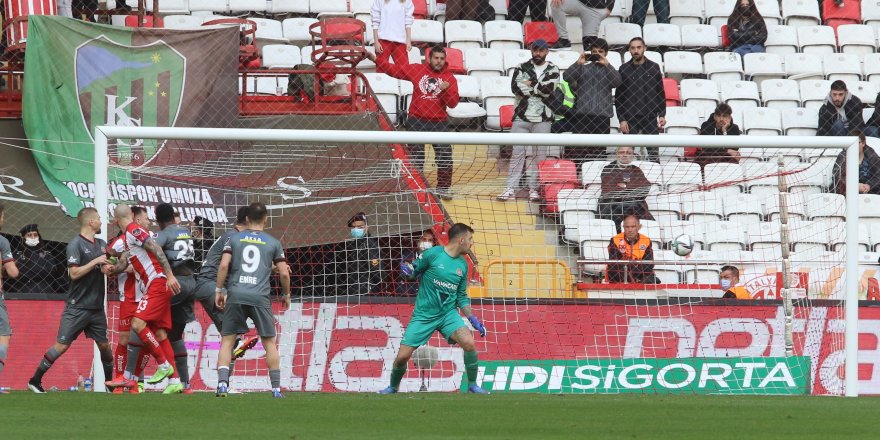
(146, 266)
(129, 288)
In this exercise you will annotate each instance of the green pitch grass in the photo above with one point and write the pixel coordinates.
(413, 416)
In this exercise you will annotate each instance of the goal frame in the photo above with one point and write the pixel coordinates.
(847, 143)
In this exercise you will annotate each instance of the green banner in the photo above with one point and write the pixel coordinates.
(110, 75)
(764, 375)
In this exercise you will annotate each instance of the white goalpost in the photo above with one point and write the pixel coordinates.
(850, 296)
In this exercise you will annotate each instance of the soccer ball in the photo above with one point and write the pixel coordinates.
(426, 357)
(683, 245)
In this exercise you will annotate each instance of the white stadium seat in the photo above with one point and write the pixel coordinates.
(701, 94)
(563, 58)
(802, 66)
(680, 63)
(800, 12)
(817, 39)
(495, 93)
(464, 34)
(740, 94)
(698, 36)
(763, 122)
(182, 22)
(427, 31)
(763, 66)
(247, 5)
(857, 39)
(173, 7)
(269, 31)
(769, 9)
(717, 11)
(328, 8)
(826, 206)
(504, 35)
(743, 208)
(296, 30)
(215, 6)
(658, 34)
(723, 66)
(683, 12)
(871, 13)
(512, 58)
(814, 92)
(281, 56)
(800, 121)
(780, 94)
(781, 40)
(682, 120)
(619, 34)
(483, 62)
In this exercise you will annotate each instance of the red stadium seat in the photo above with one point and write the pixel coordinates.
(537, 30)
(132, 21)
(673, 97)
(554, 176)
(849, 13)
(420, 10)
(454, 59)
(725, 39)
(505, 112)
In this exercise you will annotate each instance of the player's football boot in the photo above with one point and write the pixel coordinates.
(162, 372)
(276, 394)
(389, 390)
(476, 389)
(222, 390)
(4, 390)
(138, 389)
(173, 388)
(248, 344)
(117, 390)
(121, 382)
(187, 389)
(36, 387)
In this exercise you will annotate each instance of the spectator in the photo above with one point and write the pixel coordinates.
(729, 280)
(872, 127)
(358, 261)
(434, 89)
(426, 241)
(841, 112)
(719, 123)
(591, 13)
(624, 188)
(593, 78)
(746, 28)
(516, 11)
(869, 169)
(392, 29)
(640, 10)
(41, 268)
(462, 9)
(203, 237)
(176, 217)
(641, 98)
(533, 82)
(633, 246)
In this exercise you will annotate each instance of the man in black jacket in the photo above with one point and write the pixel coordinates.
(41, 266)
(640, 99)
(841, 112)
(869, 169)
(719, 123)
(358, 261)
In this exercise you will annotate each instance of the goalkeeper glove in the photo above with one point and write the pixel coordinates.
(407, 269)
(478, 326)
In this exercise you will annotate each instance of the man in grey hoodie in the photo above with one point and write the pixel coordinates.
(593, 79)
(841, 112)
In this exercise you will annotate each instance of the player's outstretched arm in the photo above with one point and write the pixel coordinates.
(284, 275)
(222, 273)
(152, 247)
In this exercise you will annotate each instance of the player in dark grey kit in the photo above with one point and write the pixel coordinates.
(7, 264)
(84, 312)
(249, 258)
(177, 243)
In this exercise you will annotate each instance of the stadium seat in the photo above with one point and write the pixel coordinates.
(681, 63)
(698, 207)
(614, 59)
(540, 30)
(725, 177)
(682, 120)
(684, 12)
(740, 94)
(827, 207)
(781, 40)
(670, 89)
(468, 87)
(619, 34)
(871, 64)
(594, 248)
(800, 12)
(856, 39)
(723, 66)
(575, 32)
(871, 13)
(724, 236)
(780, 94)
(667, 273)
(296, 30)
(795, 205)
(662, 35)
(763, 236)
(427, 32)
(763, 122)
(514, 58)
(816, 39)
(801, 66)
(504, 35)
(869, 238)
(282, 6)
(222, 6)
(468, 108)
(269, 31)
(575, 204)
(810, 179)
(281, 56)
(484, 63)
(743, 208)
(464, 34)
(846, 67)
(800, 121)
(769, 9)
(654, 56)
(664, 207)
(866, 91)
(182, 22)
(620, 11)
(501, 8)
(761, 178)
(505, 112)
(420, 9)
(596, 231)
(555, 175)
(591, 172)
(387, 91)
(563, 58)
(495, 92)
(680, 176)
(846, 13)
(717, 11)
(808, 236)
(763, 66)
(869, 208)
(700, 94)
(699, 36)
(814, 92)
(172, 7)
(248, 5)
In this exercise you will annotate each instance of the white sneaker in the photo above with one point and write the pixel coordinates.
(534, 196)
(506, 195)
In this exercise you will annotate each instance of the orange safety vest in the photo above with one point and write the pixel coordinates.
(631, 251)
(740, 292)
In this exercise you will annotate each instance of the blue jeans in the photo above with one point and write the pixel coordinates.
(838, 129)
(748, 48)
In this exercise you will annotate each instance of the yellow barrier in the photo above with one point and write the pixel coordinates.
(525, 278)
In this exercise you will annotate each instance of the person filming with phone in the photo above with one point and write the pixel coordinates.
(593, 79)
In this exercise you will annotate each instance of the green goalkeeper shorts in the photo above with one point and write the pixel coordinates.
(420, 329)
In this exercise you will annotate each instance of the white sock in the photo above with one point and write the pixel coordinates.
(173, 380)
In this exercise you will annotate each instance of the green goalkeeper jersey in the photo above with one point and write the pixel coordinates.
(443, 286)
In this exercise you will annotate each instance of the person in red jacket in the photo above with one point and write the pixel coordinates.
(434, 89)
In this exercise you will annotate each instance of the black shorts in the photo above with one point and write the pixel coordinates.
(75, 321)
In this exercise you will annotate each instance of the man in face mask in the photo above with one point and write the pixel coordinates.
(425, 242)
(37, 263)
(358, 262)
(729, 280)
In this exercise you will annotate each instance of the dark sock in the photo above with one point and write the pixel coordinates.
(107, 363)
(397, 375)
(180, 360)
(471, 366)
(48, 359)
(275, 378)
(223, 375)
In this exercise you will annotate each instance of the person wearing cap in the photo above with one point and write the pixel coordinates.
(39, 267)
(203, 237)
(533, 82)
(641, 98)
(357, 262)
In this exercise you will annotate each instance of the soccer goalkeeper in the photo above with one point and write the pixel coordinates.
(442, 289)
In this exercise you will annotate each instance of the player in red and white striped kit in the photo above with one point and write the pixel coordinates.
(152, 317)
